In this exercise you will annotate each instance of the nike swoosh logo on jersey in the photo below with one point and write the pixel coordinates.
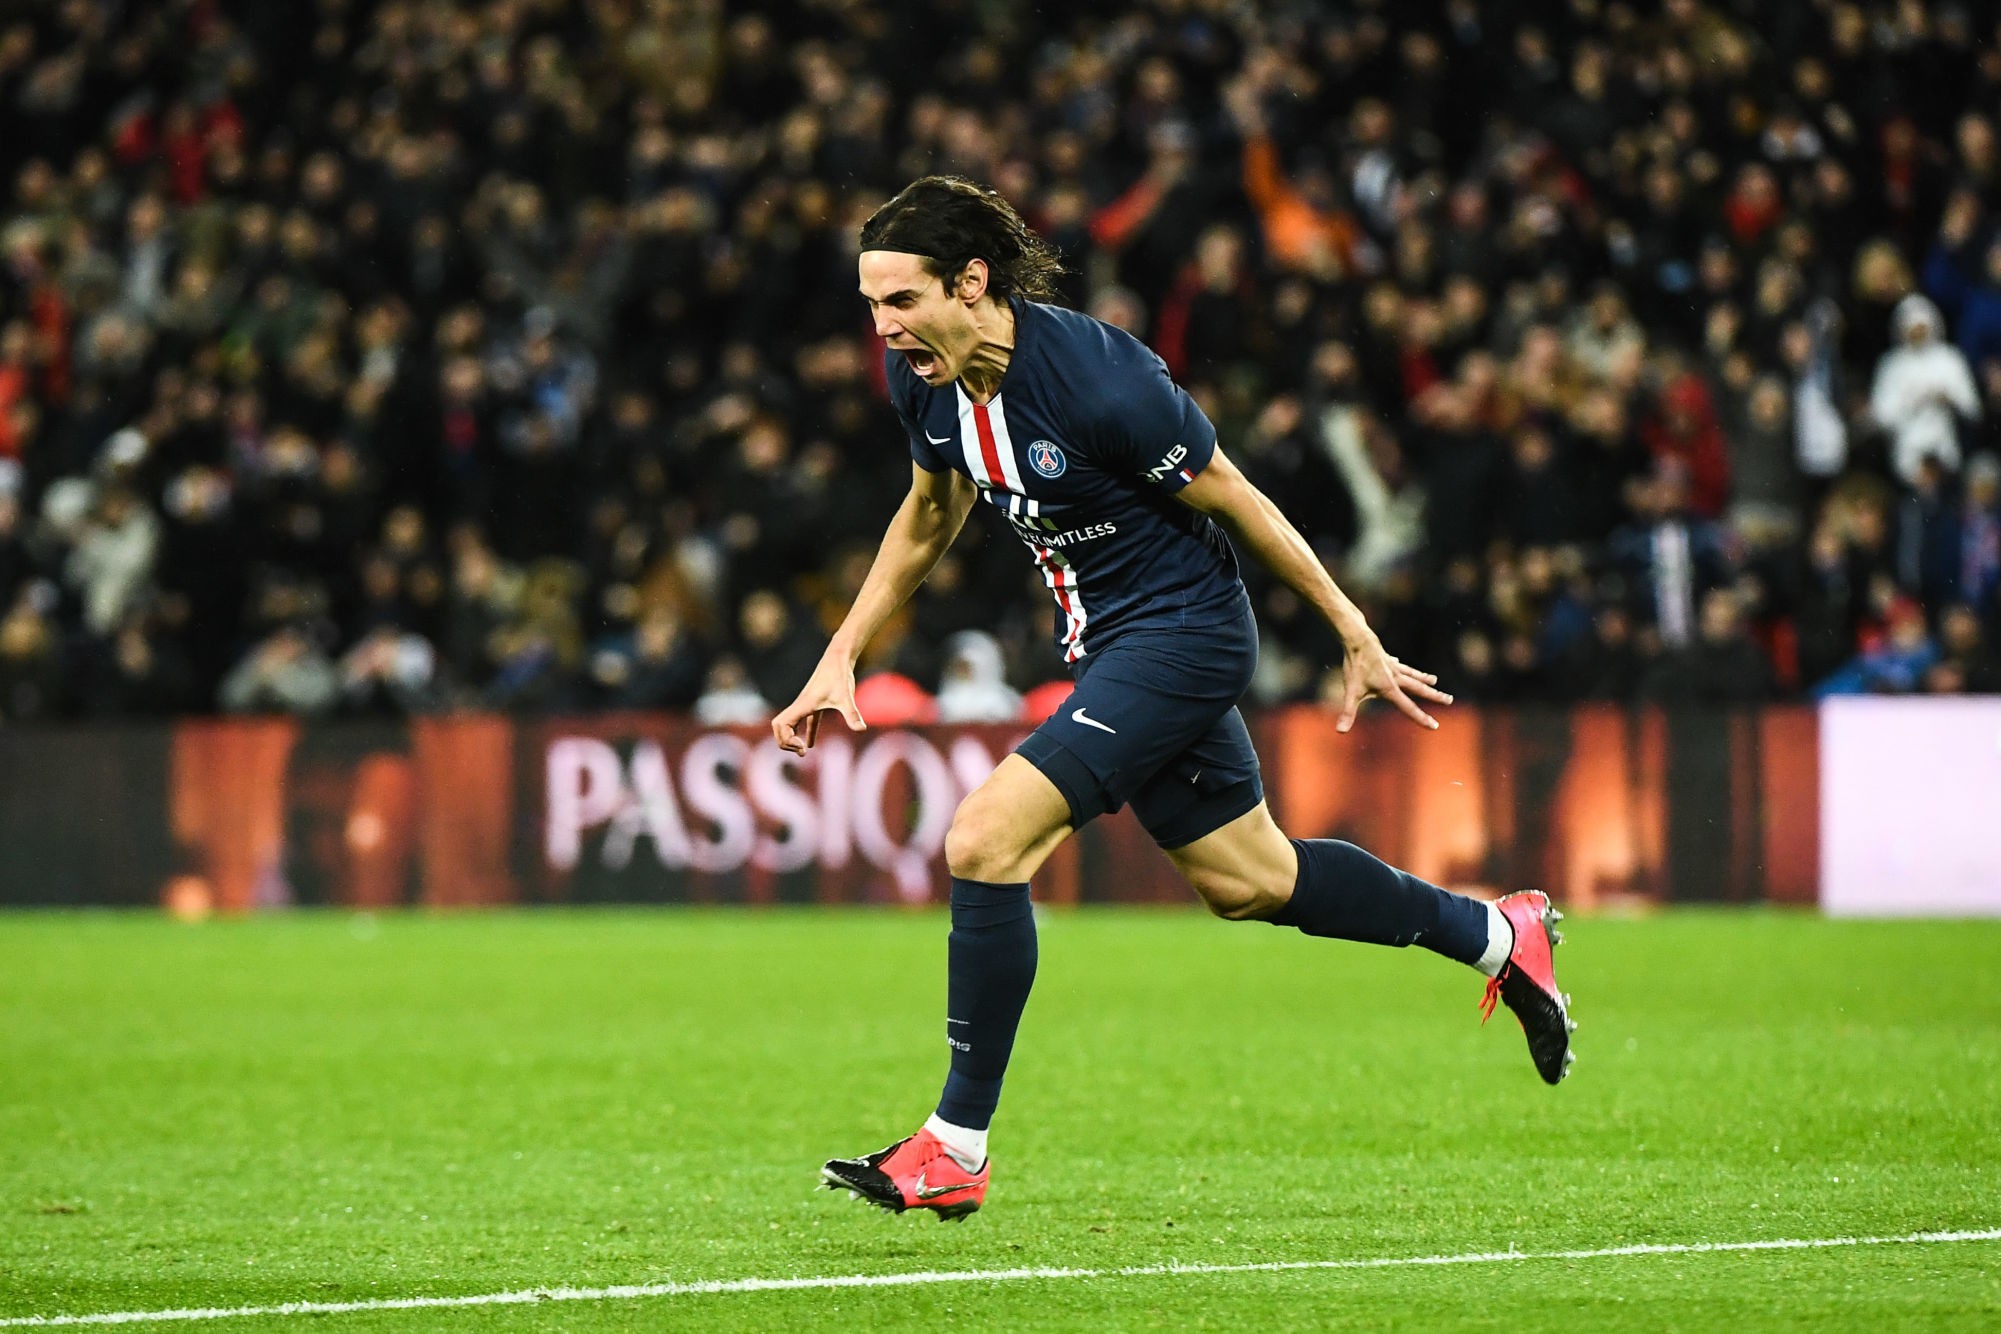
(938, 439)
(924, 1192)
(1078, 715)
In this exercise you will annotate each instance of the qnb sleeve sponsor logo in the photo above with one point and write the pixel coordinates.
(730, 804)
(1171, 464)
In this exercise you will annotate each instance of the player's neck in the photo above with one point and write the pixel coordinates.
(993, 348)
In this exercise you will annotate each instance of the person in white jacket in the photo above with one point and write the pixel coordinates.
(1922, 383)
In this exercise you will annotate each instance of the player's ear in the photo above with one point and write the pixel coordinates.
(972, 281)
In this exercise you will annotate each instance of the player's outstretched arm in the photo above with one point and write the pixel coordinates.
(930, 517)
(1227, 496)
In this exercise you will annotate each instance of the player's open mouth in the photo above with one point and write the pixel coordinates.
(922, 360)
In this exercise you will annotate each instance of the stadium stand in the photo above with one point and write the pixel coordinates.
(400, 356)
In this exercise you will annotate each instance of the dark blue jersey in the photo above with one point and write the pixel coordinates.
(1083, 450)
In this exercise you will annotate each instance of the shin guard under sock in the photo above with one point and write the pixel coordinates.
(1345, 893)
(992, 966)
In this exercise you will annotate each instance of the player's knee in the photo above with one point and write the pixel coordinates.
(977, 846)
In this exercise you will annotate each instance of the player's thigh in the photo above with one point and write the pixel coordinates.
(1007, 826)
(1210, 781)
(1244, 869)
(1145, 718)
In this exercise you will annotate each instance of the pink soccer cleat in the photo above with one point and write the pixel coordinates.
(914, 1173)
(1527, 984)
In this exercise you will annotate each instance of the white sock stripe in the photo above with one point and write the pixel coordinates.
(967, 1146)
(1500, 942)
(712, 1287)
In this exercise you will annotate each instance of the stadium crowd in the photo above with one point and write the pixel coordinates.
(389, 355)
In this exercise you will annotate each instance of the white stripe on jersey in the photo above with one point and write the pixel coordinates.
(969, 441)
(1056, 572)
(1003, 443)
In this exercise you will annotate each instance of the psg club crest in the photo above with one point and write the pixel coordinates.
(1047, 459)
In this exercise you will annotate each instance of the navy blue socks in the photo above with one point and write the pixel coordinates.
(1345, 893)
(1341, 892)
(992, 966)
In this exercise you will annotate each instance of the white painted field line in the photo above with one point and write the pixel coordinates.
(711, 1287)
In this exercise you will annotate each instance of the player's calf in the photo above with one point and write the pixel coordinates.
(1235, 897)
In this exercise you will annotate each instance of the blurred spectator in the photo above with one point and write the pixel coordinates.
(1723, 666)
(1896, 665)
(31, 669)
(1975, 564)
(1671, 556)
(139, 673)
(780, 650)
(1968, 655)
(388, 672)
(975, 688)
(659, 666)
(728, 699)
(1923, 386)
(1685, 438)
(112, 558)
(286, 673)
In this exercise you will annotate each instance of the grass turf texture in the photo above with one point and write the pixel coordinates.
(323, 1108)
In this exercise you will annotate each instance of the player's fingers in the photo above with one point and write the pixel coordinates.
(1410, 709)
(1423, 691)
(1351, 702)
(853, 716)
(812, 730)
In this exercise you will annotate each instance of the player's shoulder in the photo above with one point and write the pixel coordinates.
(1089, 340)
(1099, 363)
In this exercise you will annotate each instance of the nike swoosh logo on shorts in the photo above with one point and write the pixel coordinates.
(1078, 715)
(938, 439)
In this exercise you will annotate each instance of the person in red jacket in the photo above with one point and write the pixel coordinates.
(1684, 434)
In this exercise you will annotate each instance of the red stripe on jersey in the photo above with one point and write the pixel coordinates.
(989, 451)
(1054, 578)
(1060, 582)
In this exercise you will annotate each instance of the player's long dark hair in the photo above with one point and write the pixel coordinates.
(949, 221)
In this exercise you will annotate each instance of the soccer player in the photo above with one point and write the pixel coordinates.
(1110, 475)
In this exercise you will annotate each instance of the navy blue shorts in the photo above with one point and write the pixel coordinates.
(1153, 722)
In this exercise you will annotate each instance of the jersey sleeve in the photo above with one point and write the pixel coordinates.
(896, 372)
(1151, 427)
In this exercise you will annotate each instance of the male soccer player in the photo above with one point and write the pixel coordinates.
(1109, 473)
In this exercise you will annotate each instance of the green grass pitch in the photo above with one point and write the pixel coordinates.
(324, 1108)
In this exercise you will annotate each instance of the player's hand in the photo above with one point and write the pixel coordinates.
(832, 687)
(1369, 672)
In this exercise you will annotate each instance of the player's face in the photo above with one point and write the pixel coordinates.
(915, 315)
